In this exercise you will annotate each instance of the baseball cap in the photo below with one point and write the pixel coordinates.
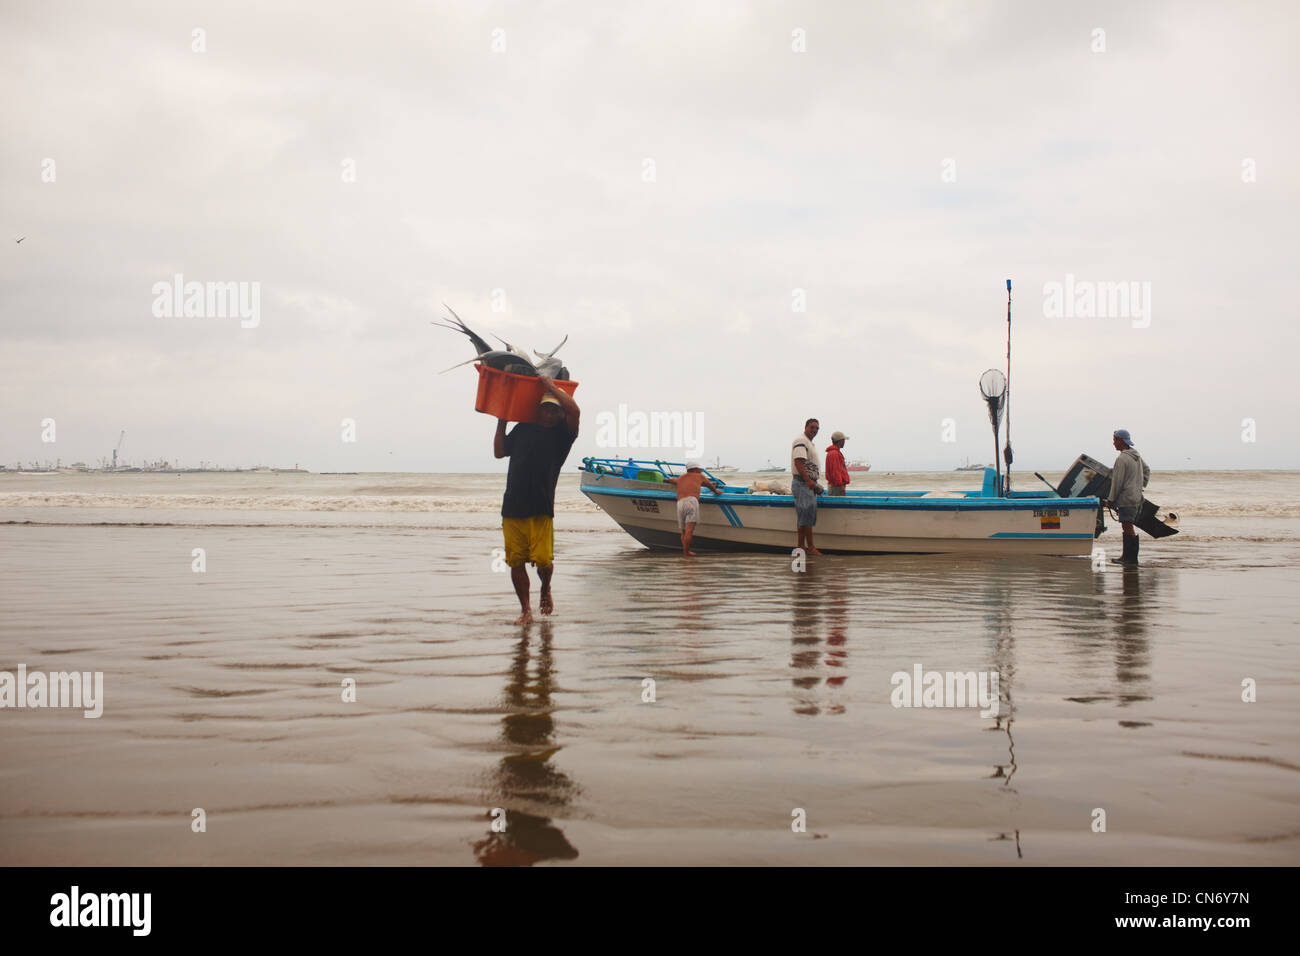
(692, 463)
(839, 436)
(549, 400)
(1123, 435)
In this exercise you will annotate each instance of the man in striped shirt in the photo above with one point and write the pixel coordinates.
(805, 469)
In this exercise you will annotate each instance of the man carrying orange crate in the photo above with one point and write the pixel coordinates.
(537, 452)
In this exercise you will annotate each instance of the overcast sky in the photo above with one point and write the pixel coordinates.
(655, 180)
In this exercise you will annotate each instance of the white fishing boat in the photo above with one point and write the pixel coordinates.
(993, 519)
(720, 469)
(634, 494)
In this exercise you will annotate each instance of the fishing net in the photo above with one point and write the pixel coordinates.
(993, 386)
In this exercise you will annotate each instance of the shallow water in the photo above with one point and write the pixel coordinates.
(1120, 690)
(1267, 494)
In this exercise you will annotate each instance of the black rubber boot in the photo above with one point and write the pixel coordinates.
(1129, 554)
(1134, 559)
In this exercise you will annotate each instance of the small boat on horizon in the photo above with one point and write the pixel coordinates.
(967, 466)
(718, 468)
(858, 465)
(771, 469)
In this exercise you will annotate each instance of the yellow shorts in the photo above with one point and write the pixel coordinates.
(529, 539)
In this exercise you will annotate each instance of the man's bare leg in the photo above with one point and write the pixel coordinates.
(545, 574)
(687, 537)
(812, 548)
(519, 577)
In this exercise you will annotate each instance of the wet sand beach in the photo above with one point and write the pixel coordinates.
(1121, 690)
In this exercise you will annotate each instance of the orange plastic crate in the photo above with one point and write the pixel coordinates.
(512, 397)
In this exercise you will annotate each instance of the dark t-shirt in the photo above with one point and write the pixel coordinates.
(536, 456)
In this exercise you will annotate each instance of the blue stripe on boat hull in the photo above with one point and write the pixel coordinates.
(1038, 534)
(671, 541)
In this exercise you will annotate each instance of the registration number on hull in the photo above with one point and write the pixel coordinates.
(1049, 519)
(648, 505)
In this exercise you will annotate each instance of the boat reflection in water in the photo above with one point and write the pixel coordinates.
(1118, 626)
(775, 680)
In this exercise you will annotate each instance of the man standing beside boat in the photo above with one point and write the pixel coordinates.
(805, 469)
(837, 473)
(537, 452)
(1127, 479)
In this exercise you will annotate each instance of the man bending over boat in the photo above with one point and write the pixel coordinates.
(805, 469)
(688, 501)
(1127, 479)
(537, 453)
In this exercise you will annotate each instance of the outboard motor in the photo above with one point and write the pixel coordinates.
(1089, 478)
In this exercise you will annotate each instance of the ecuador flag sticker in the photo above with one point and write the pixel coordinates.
(1050, 524)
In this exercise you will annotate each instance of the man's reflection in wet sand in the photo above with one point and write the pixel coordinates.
(816, 596)
(525, 784)
(684, 585)
(1127, 599)
(1132, 641)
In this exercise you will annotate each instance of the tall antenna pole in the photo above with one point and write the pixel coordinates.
(1006, 453)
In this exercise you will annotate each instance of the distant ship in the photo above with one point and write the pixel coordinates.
(858, 466)
(718, 468)
(771, 469)
(967, 466)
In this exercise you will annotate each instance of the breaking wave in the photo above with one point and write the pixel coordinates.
(570, 503)
(339, 503)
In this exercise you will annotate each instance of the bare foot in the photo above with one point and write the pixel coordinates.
(525, 618)
(814, 551)
(691, 553)
(547, 604)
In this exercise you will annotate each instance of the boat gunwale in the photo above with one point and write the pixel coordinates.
(970, 501)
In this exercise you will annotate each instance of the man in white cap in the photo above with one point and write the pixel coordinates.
(837, 473)
(688, 501)
(1127, 479)
(537, 452)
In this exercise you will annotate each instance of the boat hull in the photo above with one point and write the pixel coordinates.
(858, 523)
